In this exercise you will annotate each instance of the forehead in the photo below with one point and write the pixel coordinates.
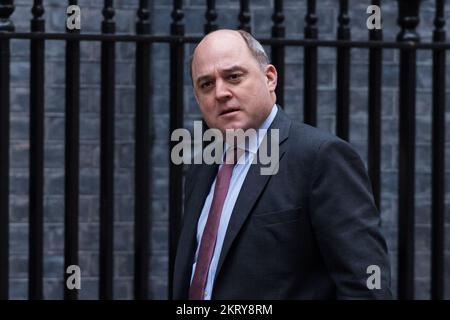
(221, 52)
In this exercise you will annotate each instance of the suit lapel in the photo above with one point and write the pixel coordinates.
(253, 185)
(204, 177)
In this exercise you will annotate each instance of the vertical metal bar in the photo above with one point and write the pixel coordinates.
(176, 121)
(310, 67)
(244, 15)
(211, 16)
(408, 20)
(438, 173)
(6, 25)
(210, 26)
(36, 208)
(144, 138)
(374, 101)
(343, 74)
(71, 158)
(278, 31)
(107, 156)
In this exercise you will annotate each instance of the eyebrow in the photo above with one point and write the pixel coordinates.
(234, 69)
(231, 69)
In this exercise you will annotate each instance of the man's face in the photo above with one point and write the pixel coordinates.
(231, 88)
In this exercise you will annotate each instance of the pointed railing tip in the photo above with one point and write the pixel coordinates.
(6, 9)
(408, 20)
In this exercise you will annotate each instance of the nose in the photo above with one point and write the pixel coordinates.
(222, 91)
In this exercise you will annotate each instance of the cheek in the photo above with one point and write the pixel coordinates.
(204, 104)
(207, 110)
(253, 92)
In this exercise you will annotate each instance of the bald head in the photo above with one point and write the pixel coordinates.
(230, 37)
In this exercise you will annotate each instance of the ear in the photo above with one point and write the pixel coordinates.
(271, 75)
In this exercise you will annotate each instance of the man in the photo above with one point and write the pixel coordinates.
(310, 231)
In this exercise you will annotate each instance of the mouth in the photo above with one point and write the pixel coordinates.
(229, 111)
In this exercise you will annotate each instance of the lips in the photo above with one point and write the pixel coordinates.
(228, 111)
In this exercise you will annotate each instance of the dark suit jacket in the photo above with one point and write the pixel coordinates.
(308, 232)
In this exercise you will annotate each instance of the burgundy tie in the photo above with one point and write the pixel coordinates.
(208, 241)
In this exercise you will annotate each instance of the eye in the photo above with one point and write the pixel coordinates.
(206, 84)
(235, 76)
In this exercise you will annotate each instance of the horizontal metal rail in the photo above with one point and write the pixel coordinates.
(191, 39)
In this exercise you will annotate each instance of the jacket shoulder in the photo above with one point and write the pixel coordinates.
(310, 139)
